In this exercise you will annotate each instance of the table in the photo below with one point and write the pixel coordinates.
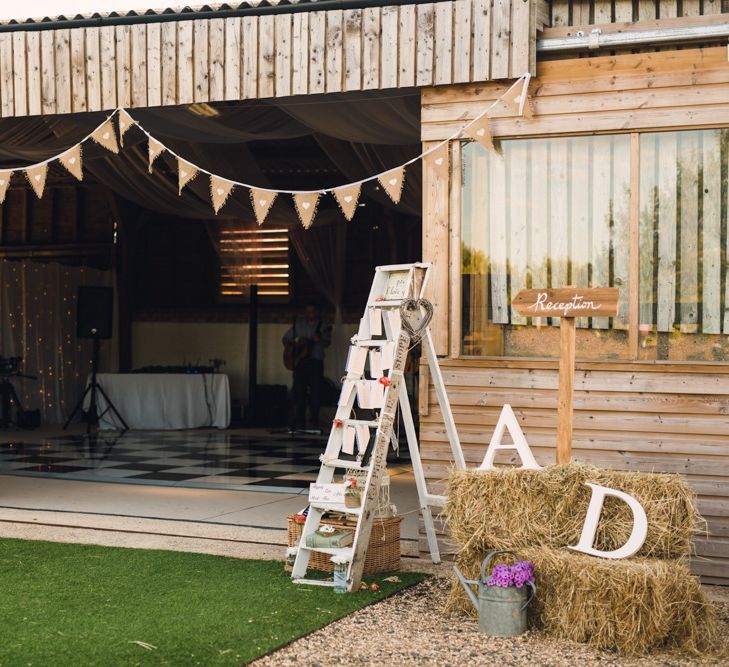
(152, 401)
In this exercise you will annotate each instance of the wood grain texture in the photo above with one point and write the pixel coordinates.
(232, 59)
(20, 74)
(629, 92)
(216, 59)
(644, 421)
(436, 234)
(33, 68)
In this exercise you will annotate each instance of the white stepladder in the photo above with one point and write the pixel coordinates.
(382, 343)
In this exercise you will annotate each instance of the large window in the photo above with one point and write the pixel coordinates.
(557, 211)
(543, 213)
(683, 234)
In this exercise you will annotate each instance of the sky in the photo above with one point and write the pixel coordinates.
(38, 8)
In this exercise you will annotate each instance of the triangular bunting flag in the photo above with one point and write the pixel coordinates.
(306, 203)
(347, 197)
(480, 130)
(524, 105)
(125, 122)
(393, 181)
(220, 189)
(155, 149)
(262, 200)
(71, 159)
(4, 182)
(438, 160)
(185, 173)
(521, 100)
(106, 137)
(37, 178)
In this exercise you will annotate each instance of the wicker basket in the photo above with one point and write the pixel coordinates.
(383, 553)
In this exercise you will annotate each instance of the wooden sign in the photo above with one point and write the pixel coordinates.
(567, 302)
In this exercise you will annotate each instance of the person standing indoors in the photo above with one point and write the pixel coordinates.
(304, 345)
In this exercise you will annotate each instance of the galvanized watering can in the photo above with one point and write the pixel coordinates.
(501, 610)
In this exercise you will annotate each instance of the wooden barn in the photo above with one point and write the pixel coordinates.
(618, 177)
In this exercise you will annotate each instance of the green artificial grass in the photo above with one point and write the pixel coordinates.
(70, 604)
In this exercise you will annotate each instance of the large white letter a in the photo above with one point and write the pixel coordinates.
(507, 420)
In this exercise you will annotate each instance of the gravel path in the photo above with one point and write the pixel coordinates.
(410, 628)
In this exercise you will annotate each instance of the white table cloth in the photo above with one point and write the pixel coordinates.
(151, 401)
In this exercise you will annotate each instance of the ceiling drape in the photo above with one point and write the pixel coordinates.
(352, 135)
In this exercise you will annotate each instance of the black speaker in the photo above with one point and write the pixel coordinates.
(94, 312)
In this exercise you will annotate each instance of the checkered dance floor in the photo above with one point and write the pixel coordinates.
(205, 459)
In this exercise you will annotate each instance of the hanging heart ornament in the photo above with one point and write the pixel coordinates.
(416, 315)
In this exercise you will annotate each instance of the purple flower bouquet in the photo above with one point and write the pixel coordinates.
(518, 575)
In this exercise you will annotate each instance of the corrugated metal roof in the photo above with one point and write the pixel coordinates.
(160, 11)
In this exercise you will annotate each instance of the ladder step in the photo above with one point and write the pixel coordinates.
(345, 552)
(314, 582)
(385, 304)
(371, 342)
(342, 463)
(336, 507)
(358, 422)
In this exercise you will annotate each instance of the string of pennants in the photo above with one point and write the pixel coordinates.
(262, 199)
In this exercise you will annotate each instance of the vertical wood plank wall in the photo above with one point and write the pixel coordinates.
(207, 60)
(632, 416)
(586, 12)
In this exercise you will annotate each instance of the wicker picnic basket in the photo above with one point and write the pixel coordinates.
(383, 553)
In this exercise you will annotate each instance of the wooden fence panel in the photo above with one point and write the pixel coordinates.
(232, 59)
(107, 47)
(63, 71)
(352, 48)
(19, 74)
(35, 91)
(283, 55)
(215, 59)
(216, 54)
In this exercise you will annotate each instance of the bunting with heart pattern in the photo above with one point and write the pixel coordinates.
(348, 197)
(37, 178)
(220, 189)
(516, 100)
(306, 203)
(71, 160)
(392, 182)
(262, 200)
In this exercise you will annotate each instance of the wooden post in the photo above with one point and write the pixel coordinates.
(566, 303)
(566, 388)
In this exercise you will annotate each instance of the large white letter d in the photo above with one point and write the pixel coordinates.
(637, 536)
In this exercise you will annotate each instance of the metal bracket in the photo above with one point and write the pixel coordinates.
(593, 39)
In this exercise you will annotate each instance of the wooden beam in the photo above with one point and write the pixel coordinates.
(565, 395)
(637, 26)
(436, 229)
(634, 249)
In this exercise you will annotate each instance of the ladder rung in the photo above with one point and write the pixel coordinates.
(371, 342)
(385, 304)
(314, 582)
(336, 507)
(346, 552)
(354, 422)
(342, 463)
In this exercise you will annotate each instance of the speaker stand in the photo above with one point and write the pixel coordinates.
(92, 390)
(8, 398)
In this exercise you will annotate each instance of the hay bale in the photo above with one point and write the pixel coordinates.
(514, 508)
(631, 606)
